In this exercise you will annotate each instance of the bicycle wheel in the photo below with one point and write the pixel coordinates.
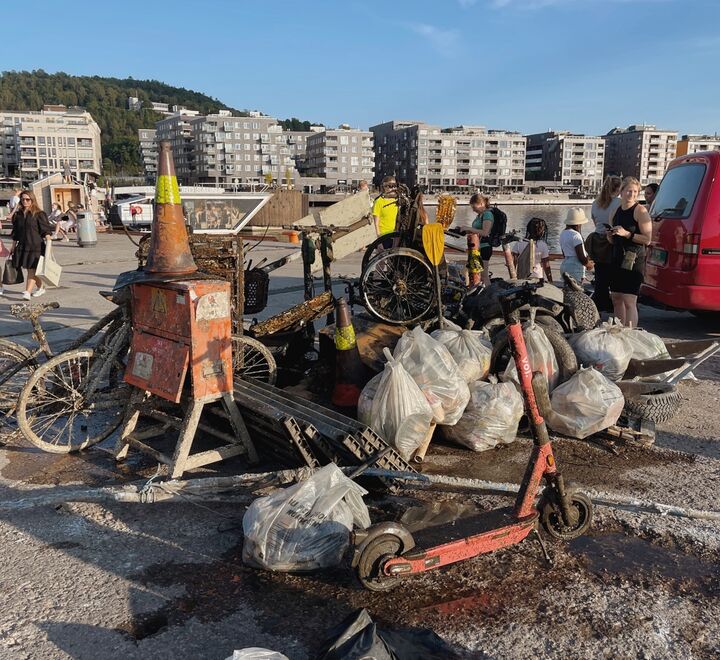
(11, 355)
(252, 360)
(398, 286)
(54, 412)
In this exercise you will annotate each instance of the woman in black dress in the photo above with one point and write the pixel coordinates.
(30, 228)
(629, 234)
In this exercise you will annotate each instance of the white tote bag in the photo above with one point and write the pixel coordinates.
(48, 270)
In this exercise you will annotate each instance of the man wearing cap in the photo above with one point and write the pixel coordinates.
(575, 259)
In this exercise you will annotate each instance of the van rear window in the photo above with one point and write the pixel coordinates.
(677, 192)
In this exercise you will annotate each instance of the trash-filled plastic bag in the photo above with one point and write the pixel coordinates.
(540, 354)
(645, 345)
(491, 417)
(399, 411)
(306, 526)
(607, 348)
(584, 404)
(436, 373)
(471, 350)
(358, 636)
(256, 653)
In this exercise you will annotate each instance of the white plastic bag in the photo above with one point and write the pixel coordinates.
(471, 350)
(607, 348)
(256, 653)
(306, 526)
(435, 372)
(645, 345)
(540, 354)
(367, 396)
(491, 417)
(584, 404)
(399, 411)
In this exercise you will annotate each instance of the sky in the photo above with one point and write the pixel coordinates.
(525, 65)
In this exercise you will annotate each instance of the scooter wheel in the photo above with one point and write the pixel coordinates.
(581, 510)
(373, 558)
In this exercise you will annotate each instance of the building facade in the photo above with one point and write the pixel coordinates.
(568, 159)
(343, 156)
(54, 140)
(640, 150)
(224, 150)
(690, 144)
(149, 152)
(464, 157)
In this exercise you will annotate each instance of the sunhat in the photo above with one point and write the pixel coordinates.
(575, 216)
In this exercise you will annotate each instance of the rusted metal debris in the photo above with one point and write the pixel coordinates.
(299, 315)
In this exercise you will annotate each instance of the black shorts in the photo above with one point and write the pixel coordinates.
(485, 252)
(625, 281)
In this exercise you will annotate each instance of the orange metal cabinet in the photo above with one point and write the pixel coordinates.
(179, 326)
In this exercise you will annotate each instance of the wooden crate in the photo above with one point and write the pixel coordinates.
(220, 256)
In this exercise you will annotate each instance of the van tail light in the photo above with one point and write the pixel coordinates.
(691, 248)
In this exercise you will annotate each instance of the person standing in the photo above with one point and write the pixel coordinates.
(482, 227)
(597, 245)
(385, 208)
(630, 233)
(536, 232)
(575, 258)
(30, 229)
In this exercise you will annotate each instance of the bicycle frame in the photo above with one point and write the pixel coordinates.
(44, 346)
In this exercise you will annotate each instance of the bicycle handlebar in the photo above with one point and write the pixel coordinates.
(28, 312)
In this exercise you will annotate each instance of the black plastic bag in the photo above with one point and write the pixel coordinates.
(358, 637)
(12, 275)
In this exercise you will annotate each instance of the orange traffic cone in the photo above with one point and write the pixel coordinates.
(169, 245)
(349, 369)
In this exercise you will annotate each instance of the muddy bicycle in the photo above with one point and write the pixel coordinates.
(56, 402)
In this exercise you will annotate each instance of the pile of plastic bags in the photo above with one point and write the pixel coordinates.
(394, 406)
(306, 526)
(435, 372)
(540, 354)
(645, 345)
(471, 350)
(491, 417)
(607, 348)
(584, 404)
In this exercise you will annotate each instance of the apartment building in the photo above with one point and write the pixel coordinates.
(55, 139)
(690, 144)
(640, 150)
(566, 159)
(464, 157)
(226, 150)
(149, 152)
(343, 156)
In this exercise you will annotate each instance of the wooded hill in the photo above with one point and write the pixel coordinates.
(106, 100)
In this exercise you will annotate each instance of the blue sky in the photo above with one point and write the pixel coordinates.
(527, 65)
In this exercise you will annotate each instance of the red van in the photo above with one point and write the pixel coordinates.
(682, 268)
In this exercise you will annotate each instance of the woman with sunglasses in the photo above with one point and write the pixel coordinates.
(30, 228)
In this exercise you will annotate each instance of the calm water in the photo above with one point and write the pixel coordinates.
(519, 215)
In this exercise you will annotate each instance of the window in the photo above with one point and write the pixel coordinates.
(344, 139)
(677, 192)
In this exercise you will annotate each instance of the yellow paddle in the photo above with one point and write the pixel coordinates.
(433, 238)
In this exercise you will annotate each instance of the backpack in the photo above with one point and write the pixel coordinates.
(499, 226)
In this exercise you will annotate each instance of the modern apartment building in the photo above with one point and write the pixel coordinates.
(640, 150)
(343, 156)
(149, 152)
(464, 157)
(226, 150)
(690, 144)
(565, 158)
(55, 139)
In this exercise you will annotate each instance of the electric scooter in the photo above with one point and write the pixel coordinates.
(386, 553)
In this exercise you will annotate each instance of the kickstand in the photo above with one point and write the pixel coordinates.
(539, 538)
